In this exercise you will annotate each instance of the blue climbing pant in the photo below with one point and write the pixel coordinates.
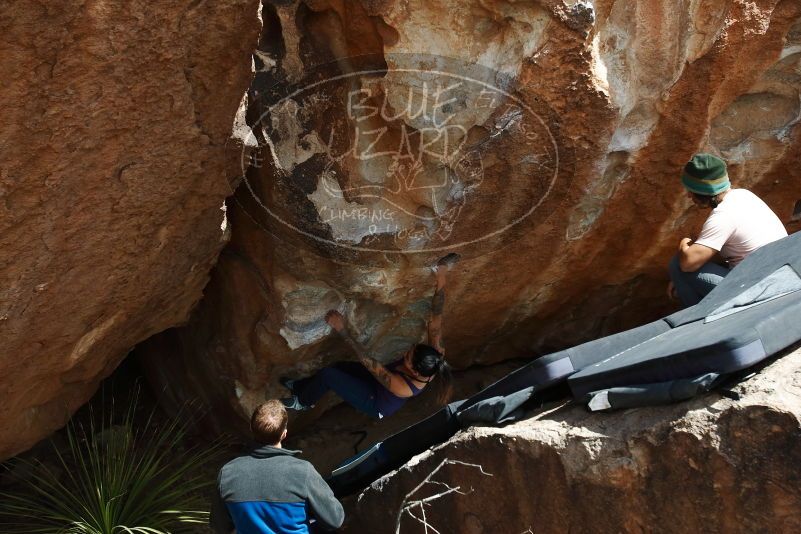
(694, 286)
(349, 380)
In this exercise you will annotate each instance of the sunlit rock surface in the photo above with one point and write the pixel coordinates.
(115, 117)
(547, 154)
(709, 465)
(551, 164)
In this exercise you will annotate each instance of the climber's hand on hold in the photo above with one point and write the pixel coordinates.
(335, 320)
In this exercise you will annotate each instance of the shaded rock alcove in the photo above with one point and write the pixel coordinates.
(607, 100)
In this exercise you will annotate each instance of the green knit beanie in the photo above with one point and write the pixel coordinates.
(705, 174)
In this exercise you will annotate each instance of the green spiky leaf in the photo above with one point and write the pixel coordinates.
(115, 479)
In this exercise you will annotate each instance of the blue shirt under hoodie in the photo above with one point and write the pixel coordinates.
(270, 491)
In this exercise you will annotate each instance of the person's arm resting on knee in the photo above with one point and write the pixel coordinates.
(717, 230)
(389, 380)
(693, 256)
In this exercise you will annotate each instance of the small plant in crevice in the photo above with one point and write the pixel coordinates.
(114, 477)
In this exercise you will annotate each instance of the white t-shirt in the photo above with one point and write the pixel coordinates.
(740, 224)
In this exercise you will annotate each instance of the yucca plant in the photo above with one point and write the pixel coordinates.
(114, 479)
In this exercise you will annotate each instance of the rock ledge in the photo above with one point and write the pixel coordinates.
(712, 464)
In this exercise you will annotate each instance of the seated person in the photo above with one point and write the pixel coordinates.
(270, 490)
(739, 224)
(371, 387)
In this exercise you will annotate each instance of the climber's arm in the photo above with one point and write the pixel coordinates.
(693, 256)
(389, 380)
(437, 307)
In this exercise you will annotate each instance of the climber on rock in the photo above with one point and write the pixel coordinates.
(739, 224)
(374, 388)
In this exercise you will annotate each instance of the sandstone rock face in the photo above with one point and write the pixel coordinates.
(115, 118)
(546, 149)
(709, 465)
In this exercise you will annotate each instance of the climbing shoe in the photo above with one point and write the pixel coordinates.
(293, 403)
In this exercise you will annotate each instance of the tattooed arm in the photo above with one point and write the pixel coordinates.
(437, 307)
(389, 380)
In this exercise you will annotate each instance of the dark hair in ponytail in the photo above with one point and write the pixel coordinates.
(428, 361)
